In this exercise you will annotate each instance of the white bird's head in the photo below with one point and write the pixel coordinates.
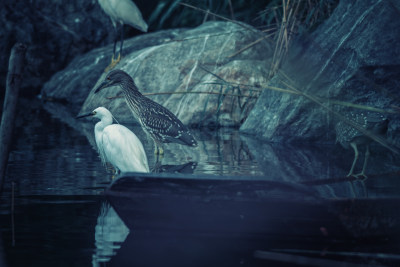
(101, 113)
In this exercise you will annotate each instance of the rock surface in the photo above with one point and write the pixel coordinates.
(73, 84)
(353, 57)
(204, 60)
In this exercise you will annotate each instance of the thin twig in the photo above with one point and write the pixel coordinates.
(213, 74)
(206, 16)
(283, 90)
(200, 92)
(203, 36)
(250, 45)
(238, 84)
(185, 92)
(231, 9)
(218, 16)
(60, 25)
(12, 214)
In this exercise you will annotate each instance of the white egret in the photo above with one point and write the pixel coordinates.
(122, 12)
(117, 144)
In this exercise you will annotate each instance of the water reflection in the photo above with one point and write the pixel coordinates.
(324, 168)
(54, 156)
(2, 252)
(51, 158)
(110, 233)
(187, 168)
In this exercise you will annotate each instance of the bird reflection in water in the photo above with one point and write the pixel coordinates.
(110, 233)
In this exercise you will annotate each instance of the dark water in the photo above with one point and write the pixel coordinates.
(54, 212)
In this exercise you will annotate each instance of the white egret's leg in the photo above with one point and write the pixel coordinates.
(121, 43)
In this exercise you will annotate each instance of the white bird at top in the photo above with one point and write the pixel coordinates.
(117, 144)
(122, 12)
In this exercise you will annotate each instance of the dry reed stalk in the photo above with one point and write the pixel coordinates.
(217, 16)
(185, 92)
(250, 45)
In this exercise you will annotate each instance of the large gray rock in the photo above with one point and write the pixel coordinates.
(73, 84)
(353, 57)
(201, 60)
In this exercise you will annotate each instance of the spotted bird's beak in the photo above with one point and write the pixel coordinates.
(104, 84)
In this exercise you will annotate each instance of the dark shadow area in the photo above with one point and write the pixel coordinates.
(233, 221)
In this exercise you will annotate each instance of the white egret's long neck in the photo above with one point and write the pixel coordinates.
(103, 123)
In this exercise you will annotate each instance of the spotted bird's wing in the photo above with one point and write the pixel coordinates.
(166, 126)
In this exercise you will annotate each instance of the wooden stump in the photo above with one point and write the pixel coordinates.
(14, 78)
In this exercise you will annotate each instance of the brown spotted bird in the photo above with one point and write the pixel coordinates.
(157, 121)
